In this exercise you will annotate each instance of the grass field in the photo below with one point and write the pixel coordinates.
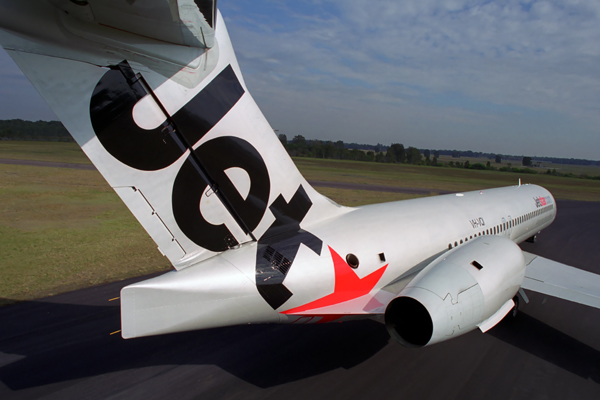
(43, 151)
(562, 168)
(439, 178)
(63, 229)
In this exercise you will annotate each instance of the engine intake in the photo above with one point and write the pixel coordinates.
(414, 334)
(457, 292)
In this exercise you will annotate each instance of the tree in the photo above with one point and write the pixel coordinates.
(436, 154)
(498, 159)
(467, 164)
(427, 153)
(328, 150)
(526, 161)
(299, 141)
(455, 154)
(397, 152)
(413, 155)
(282, 138)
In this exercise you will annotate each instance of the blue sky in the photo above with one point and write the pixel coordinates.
(512, 77)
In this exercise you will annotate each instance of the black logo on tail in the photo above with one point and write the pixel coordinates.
(111, 112)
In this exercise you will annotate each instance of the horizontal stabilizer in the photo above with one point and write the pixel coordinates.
(562, 281)
(182, 22)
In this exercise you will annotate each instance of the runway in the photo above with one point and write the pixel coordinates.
(61, 348)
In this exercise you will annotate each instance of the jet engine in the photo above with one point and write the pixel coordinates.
(469, 287)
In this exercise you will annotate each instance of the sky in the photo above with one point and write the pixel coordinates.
(508, 77)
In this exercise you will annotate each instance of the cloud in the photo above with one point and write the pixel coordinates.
(505, 76)
(518, 65)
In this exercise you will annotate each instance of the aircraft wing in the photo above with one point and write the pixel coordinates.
(562, 281)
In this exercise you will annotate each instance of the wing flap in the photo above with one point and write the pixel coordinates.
(562, 281)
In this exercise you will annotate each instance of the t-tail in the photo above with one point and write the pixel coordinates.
(162, 111)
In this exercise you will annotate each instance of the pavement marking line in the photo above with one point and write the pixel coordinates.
(115, 332)
(114, 298)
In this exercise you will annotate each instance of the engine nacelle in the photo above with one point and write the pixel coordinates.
(470, 286)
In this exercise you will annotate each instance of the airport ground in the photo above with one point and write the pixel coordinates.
(62, 228)
(61, 347)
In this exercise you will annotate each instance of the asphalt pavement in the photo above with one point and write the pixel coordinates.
(62, 348)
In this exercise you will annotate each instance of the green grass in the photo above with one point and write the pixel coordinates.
(590, 170)
(63, 229)
(441, 178)
(353, 198)
(43, 151)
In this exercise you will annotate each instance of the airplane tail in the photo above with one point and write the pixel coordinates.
(164, 114)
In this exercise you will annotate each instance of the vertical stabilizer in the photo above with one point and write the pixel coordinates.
(170, 126)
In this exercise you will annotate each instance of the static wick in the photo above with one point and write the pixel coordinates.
(115, 332)
(114, 298)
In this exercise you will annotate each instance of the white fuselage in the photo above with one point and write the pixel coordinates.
(401, 236)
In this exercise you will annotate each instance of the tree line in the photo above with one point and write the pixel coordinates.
(47, 131)
(299, 146)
